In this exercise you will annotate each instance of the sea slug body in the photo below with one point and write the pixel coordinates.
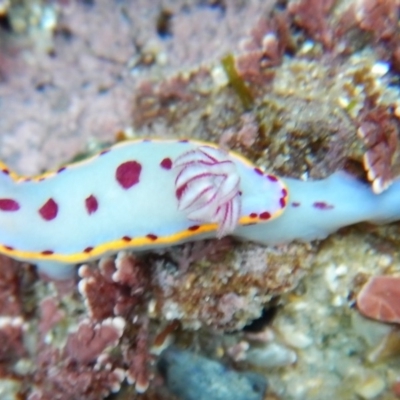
(145, 194)
(132, 196)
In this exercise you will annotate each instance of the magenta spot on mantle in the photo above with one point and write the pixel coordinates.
(253, 215)
(88, 249)
(166, 163)
(321, 205)
(49, 210)
(272, 178)
(61, 169)
(152, 236)
(47, 252)
(282, 202)
(128, 174)
(193, 228)
(91, 204)
(5, 171)
(9, 205)
(9, 248)
(265, 215)
(258, 171)
(295, 204)
(126, 238)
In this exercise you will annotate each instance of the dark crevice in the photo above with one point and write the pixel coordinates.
(264, 320)
(164, 24)
(5, 23)
(64, 33)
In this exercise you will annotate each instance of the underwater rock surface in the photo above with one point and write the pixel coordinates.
(193, 377)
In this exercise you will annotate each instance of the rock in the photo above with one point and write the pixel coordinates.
(190, 376)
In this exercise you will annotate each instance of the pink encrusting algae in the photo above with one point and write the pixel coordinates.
(379, 299)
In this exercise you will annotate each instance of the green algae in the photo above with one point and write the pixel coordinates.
(237, 83)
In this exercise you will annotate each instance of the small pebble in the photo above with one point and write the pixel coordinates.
(271, 355)
(370, 387)
(380, 68)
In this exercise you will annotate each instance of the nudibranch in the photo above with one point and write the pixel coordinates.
(146, 194)
(136, 195)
